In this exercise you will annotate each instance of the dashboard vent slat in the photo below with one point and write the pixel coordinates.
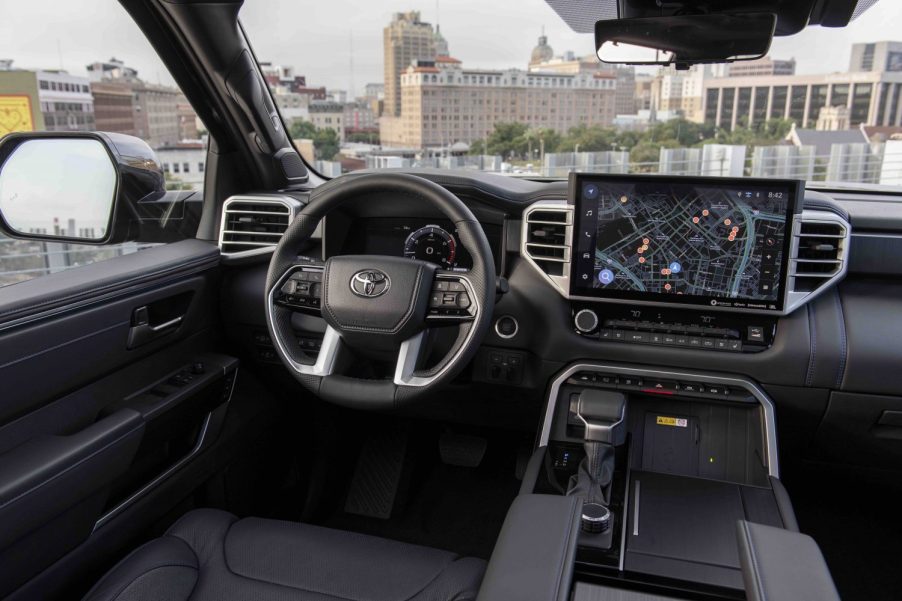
(252, 224)
(547, 238)
(821, 253)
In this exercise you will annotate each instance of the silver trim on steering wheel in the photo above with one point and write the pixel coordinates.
(328, 352)
(409, 353)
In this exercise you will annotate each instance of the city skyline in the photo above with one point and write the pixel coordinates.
(474, 41)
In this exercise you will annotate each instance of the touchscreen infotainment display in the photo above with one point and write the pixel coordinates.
(704, 241)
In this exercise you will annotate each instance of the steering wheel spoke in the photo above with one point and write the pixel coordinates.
(300, 289)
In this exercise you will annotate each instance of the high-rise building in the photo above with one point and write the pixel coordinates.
(405, 40)
(160, 115)
(876, 56)
(761, 67)
(678, 92)
(624, 103)
(871, 98)
(114, 109)
(328, 114)
(542, 52)
(444, 104)
(45, 100)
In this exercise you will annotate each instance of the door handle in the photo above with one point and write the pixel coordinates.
(142, 331)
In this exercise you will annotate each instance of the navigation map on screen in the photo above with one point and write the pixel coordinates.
(705, 241)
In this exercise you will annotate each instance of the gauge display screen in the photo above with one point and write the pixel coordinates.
(427, 239)
(434, 244)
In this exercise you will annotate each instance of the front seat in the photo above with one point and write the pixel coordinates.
(213, 555)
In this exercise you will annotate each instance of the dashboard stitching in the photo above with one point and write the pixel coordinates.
(841, 375)
(812, 358)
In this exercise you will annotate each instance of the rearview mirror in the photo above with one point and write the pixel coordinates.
(684, 40)
(80, 187)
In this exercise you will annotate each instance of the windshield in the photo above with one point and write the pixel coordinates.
(508, 87)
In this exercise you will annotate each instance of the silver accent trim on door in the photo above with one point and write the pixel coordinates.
(769, 429)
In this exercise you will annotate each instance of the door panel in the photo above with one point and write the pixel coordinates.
(111, 386)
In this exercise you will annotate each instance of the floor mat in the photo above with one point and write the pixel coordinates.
(448, 507)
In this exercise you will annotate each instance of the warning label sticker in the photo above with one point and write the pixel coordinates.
(676, 422)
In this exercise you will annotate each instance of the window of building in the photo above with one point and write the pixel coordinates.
(817, 102)
(840, 95)
(727, 107)
(797, 103)
(175, 168)
(743, 106)
(759, 113)
(778, 103)
(861, 103)
(44, 85)
(185, 167)
(200, 167)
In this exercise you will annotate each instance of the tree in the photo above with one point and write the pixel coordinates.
(301, 129)
(325, 141)
(507, 139)
(477, 147)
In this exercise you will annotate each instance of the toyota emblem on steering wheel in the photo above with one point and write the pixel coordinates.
(370, 283)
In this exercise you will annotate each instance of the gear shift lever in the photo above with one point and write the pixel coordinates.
(603, 413)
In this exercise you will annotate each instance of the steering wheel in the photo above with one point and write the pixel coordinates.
(377, 305)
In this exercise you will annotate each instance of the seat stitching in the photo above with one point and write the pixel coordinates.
(434, 578)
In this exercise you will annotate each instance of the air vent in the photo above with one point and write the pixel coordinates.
(546, 237)
(820, 256)
(254, 224)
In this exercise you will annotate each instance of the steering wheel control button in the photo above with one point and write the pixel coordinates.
(302, 290)
(449, 299)
(595, 519)
(507, 327)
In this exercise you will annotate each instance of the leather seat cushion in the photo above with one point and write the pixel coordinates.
(212, 555)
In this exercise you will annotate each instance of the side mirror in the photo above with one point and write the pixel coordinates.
(75, 187)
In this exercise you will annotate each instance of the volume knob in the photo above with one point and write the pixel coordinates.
(586, 321)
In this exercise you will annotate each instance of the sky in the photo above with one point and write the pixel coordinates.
(323, 39)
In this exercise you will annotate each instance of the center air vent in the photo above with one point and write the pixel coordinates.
(820, 256)
(254, 224)
(546, 237)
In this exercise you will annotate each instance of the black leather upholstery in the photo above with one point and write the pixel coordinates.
(779, 565)
(534, 557)
(212, 555)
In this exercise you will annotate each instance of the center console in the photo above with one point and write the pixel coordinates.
(673, 470)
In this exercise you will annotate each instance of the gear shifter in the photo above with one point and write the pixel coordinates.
(602, 412)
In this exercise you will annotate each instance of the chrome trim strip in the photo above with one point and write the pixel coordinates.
(636, 510)
(767, 405)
